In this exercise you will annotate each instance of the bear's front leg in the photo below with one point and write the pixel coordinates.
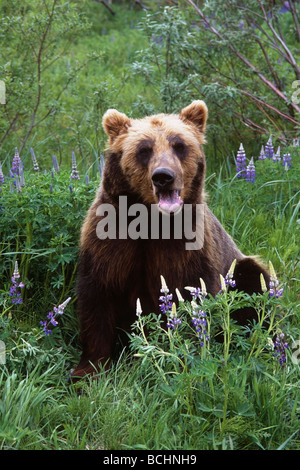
(97, 310)
(97, 330)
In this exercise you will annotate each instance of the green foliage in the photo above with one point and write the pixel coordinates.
(40, 229)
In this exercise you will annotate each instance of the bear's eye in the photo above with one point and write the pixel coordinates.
(144, 154)
(180, 149)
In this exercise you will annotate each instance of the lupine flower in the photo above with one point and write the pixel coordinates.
(55, 164)
(262, 155)
(16, 164)
(195, 292)
(203, 287)
(198, 292)
(280, 345)
(179, 296)
(34, 161)
(287, 160)
(200, 323)
(165, 299)
(241, 162)
(1, 175)
(263, 283)
(14, 172)
(75, 173)
(276, 157)
(138, 308)
(250, 172)
(274, 283)
(52, 317)
(269, 149)
(228, 281)
(173, 320)
(14, 291)
(87, 180)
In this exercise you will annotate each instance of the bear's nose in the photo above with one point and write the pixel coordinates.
(163, 177)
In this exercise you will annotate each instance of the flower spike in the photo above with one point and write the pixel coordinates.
(263, 283)
(179, 296)
(138, 308)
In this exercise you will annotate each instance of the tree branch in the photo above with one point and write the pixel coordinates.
(106, 6)
(39, 65)
(244, 59)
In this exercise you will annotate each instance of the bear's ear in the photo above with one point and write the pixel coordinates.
(115, 123)
(196, 113)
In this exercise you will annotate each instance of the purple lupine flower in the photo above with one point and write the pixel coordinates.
(241, 162)
(287, 160)
(228, 281)
(200, 323)
(165, 299)
(87, 180)
(195, 292)
(55, 164)
(250, 172)
(284, 8)
(52, 317)
(173, 320)
(34, 160)
(14, 172)
(75, 173)
(14, 290)
(262, 155)
(280, 345)
(269, 149)
(274, 283)
(276, 156)
(198, 292)
(16, 164)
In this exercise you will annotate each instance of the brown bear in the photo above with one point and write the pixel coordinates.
(155, 167)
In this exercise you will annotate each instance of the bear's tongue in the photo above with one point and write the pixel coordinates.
(170, 202)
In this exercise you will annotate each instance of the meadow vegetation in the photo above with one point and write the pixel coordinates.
(64, 64)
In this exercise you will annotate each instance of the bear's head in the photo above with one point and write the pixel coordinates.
(161, 156)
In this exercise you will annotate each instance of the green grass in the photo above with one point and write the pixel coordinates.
(173, 394)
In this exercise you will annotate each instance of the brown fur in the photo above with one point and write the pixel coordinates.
(114, 273)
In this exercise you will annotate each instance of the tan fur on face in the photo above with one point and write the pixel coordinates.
(126, 134)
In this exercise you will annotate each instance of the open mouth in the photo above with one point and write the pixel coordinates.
(170, 201)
